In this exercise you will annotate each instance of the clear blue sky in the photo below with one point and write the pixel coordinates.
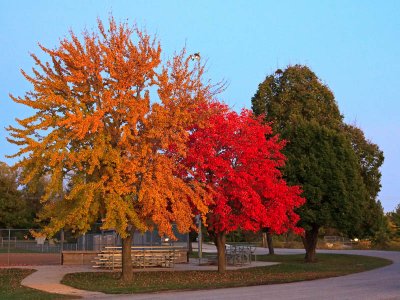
(353, 46)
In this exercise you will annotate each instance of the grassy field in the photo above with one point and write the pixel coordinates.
(291, 268)
(11, 288)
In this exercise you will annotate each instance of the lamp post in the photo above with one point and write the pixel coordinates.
(199, 239)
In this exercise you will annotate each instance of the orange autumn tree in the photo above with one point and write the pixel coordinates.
(107, 113)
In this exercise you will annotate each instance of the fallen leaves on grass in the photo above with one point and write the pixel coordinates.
(291, 268)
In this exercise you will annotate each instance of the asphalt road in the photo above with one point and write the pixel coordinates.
(383, 283)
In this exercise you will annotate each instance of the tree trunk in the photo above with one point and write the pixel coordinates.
(190, 246)
(269, 242)
(220, 239)
(127, 270)
(310, 243)
(264, 240)
(192, 237)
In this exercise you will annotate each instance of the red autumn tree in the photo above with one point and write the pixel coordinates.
(106, 111)
(239, 160)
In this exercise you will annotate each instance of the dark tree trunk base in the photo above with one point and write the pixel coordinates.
(310, 244)
(270, 244)
(220, 240)
(127, 269)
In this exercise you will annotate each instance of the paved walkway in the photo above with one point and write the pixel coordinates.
(383, 283)
(47, 278)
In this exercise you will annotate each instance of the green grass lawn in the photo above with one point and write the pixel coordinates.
(291, 268)
(11, 288)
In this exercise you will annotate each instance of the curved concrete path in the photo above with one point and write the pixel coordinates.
(383, 283)
(48, 278)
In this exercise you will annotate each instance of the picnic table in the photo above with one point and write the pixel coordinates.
(236, 254)
(239, 254)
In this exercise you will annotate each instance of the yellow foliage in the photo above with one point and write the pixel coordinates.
(98, 127)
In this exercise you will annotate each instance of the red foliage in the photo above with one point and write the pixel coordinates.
(238, 158)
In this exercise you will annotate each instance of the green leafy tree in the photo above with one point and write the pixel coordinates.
(32, 194)
(370, 159)
(320, 155)
(296, 94)
(14, 211)
(324, 164)
(382, 233)
(394, 219)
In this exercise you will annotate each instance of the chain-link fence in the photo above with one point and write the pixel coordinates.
(23, 247)
(23, 241)
(97, 241)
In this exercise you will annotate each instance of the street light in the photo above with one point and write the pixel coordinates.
(199, 239)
